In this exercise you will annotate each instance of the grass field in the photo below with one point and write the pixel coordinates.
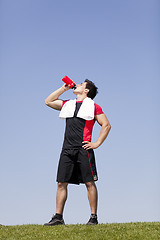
(115, 231)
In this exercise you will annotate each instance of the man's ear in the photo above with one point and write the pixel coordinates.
(86, 90)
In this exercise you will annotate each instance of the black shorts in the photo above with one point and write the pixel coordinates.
(77, 166)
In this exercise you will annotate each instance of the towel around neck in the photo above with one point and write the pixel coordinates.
(86, 110)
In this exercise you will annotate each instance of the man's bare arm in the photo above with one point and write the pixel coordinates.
(53, 101)
(105, 128)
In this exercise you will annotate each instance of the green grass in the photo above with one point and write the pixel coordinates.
(114, 231)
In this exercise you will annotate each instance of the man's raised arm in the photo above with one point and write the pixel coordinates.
(53, 101)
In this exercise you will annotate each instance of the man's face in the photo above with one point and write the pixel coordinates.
(80, 88)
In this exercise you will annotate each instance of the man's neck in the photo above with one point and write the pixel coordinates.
(81, 97)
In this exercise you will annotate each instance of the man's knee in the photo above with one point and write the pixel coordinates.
(90, 184)
(62, 185)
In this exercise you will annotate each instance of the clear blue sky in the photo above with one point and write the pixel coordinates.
(116, 45)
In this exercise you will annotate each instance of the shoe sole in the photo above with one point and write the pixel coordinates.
(91, 223)
(54, 224)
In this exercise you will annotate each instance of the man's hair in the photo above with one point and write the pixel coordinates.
(93, 90)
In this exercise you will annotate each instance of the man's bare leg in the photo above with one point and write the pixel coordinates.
(93, 200)
(92, 196)
(61, 197)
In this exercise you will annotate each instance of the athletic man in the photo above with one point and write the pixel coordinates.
(77, 161)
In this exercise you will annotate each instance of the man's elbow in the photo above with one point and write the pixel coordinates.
(107, 126)
(46, 102)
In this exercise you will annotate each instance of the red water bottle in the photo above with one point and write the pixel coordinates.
(68, 81)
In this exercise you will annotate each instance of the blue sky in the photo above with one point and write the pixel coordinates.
(116, 45)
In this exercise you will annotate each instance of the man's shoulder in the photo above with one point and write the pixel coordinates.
(98, 109)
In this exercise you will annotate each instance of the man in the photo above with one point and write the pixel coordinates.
(77, 161)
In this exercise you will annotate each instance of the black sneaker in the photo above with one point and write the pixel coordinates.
(93, 220)
(54, 221)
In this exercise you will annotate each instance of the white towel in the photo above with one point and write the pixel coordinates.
(86, 110)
